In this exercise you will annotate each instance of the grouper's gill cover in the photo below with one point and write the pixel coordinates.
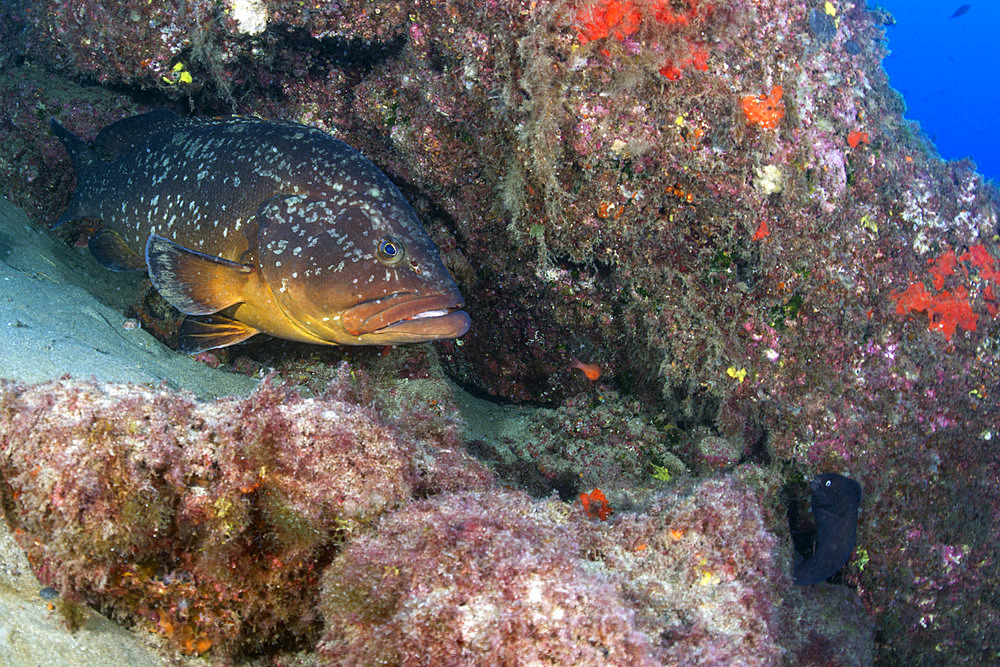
(272, 227)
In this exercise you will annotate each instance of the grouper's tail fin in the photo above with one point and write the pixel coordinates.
(85, 162)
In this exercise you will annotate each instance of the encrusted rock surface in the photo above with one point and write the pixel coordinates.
(717, 203)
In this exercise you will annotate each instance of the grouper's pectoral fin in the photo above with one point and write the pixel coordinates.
(198, 335)
(193, 282)
(110, 250)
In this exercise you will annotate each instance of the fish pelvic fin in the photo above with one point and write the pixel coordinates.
(211, 332)
(85, 163)
(193, 282)
(110, 250)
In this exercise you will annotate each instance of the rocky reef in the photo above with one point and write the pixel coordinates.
(705, 258)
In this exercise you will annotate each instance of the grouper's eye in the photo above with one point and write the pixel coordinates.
(390, 251)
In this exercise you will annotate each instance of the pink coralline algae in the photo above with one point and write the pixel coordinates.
(206, 522)
(485, 578)
(706, 575)
(246, 525)
(497, 578)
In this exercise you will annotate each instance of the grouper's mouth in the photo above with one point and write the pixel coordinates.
(404, 317)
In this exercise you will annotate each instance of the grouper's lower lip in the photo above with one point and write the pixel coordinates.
(427, 326)
(409, 317)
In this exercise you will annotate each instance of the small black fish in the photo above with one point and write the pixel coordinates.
(835, 502)
(262, 227)
(964, 9)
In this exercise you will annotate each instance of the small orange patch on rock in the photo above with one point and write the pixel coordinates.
(196, 645)
(762, 231)
(596, 505)
(765, 110)
(856, 137)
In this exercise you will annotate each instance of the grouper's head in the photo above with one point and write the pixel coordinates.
(357, 273)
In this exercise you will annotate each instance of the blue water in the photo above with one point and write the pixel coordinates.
(946, 69)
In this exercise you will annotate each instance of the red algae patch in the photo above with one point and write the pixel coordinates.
(949, 309)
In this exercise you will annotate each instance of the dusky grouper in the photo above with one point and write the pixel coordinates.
(264, 226)
(835, 503)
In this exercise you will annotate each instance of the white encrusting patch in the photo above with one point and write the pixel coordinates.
(428, 313)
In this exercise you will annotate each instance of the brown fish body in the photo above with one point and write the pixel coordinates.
(266, 226)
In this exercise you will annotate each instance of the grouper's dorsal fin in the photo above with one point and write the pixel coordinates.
(79, 152)
(198, 335)
(121, 137)
(85, 164)
(110, 250)
(193, 282)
